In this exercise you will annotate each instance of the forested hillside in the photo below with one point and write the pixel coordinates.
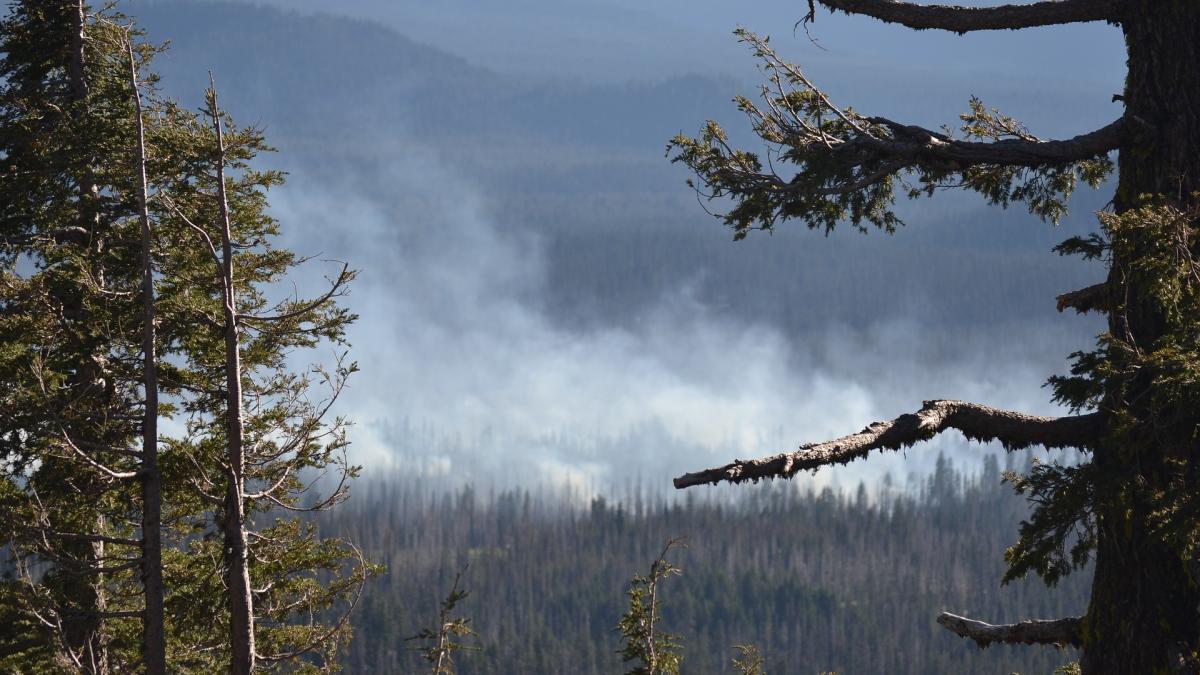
(820, 581)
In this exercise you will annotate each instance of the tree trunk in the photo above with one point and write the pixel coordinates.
(154, 641)
(241, 600)
(1143, 615)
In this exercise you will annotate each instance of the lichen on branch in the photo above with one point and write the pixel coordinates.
(977, 422)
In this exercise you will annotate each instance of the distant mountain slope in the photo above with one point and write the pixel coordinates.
(315, 73)
(582, 166)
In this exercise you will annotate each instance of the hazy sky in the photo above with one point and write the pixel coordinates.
(624, 39)
(465, 374)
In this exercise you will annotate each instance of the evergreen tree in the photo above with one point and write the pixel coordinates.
(73, 404)
(109, 292)
(256, 437)
(1132, 505)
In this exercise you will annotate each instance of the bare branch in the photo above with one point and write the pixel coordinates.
(977, 422)
(336, 287)
(169, 203)
(1090, 299)
(965, 19)
(115, 475)
(1058, 632)
(922, 146)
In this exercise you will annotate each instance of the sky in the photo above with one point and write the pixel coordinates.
(465, 376)
(618, 40)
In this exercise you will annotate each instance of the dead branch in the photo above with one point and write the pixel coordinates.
(977, 422)
(1090, 299)
(965, 19)
(1057, 632)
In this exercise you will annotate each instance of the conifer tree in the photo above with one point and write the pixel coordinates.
(111, 294)
(256, 435)
(1132, 506)
(73, 406)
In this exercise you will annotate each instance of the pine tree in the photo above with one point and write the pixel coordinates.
(1134, 398)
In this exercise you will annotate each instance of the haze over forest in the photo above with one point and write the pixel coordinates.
(543, 300)
(550, 327)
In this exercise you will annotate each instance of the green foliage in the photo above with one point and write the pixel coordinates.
(1060, 534)
(1150, 247)
(442, 643)
(850, 166)
(1068, 669)
(71, 366)
(658, 652)
(748, 661)
(69, 326)
(298, 577)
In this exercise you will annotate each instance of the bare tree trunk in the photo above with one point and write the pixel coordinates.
(154, 643)
(1143, 616)
(241, 602)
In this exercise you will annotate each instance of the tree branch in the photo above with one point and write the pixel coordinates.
(1085, 300)
(922, 146)
(850, 166)
(62, 235)
(1030, 631)
(977, 422)
(965, 19)
(336, 287)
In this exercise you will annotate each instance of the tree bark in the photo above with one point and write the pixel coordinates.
(241, 601)
(1143, 613)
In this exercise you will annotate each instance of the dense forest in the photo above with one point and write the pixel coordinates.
(821, 580)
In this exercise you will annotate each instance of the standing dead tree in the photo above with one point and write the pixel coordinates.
(1133, 505)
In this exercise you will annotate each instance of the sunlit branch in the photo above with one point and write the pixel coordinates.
(1030, 631)
(922, 146)
(977, 422)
